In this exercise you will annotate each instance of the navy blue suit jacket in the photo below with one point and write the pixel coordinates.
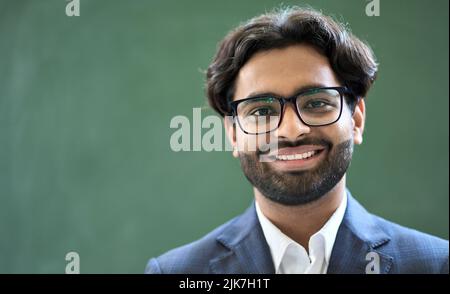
(239, 246)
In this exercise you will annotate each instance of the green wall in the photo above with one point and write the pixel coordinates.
(85, 107)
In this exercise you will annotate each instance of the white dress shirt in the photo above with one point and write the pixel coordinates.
(289, 257)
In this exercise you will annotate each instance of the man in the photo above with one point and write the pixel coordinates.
(298, 78)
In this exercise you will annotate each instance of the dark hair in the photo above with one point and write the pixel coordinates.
(352, 60)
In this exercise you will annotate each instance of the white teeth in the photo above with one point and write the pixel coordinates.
(296, 156)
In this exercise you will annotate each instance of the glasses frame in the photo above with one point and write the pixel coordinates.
(292, 100)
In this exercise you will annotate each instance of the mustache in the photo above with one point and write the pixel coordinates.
(279, 144)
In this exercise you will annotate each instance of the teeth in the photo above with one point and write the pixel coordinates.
(296, 156)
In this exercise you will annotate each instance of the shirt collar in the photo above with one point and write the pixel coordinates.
(278, 242)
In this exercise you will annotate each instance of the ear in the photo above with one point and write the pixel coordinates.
(358, 120)
(230, 130)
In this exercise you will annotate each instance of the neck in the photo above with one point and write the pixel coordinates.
(300, 222)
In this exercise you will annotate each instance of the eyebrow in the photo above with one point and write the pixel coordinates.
(297, 91)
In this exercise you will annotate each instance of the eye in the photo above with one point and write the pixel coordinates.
(262, 111)
(316, 104)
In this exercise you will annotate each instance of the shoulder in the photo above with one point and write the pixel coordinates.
(414, 251)
(192, 258)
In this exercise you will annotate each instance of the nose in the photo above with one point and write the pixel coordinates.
(291, 127)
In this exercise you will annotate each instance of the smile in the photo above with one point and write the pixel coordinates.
(296, 156)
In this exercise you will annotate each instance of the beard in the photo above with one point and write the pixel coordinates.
(298, 187)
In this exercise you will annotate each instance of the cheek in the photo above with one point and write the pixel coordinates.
(251, 143)
(243, 140)
(342, 130)
(346, 122)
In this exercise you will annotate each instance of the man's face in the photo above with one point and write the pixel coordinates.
(295, 181)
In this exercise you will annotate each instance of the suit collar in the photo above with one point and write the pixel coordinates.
(249, 252)
(358, 235)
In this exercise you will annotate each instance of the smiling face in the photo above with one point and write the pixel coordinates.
(310, 161)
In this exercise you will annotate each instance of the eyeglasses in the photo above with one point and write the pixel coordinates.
(315, 107)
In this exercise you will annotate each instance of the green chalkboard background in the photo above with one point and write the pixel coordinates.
(85, 107)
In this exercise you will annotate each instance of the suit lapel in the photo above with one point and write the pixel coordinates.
(357, 236)
(350, 255)
(248, 250)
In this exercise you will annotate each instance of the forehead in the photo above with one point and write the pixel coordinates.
(283, 71)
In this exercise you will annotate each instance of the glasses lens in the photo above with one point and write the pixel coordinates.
(319, 106)
(259, 115)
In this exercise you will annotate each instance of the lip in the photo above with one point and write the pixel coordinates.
(299, 164)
